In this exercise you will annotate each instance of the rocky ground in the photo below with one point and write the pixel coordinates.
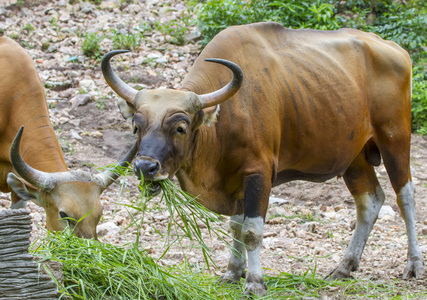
(308, 225)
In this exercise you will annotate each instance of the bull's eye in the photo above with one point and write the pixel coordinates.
(63, 215)
(181, 130)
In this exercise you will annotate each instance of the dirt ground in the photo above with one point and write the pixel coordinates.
(310, 225)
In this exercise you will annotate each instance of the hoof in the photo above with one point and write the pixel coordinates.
(229, 278)
(414, 269)
(338, 273)
(253, 289)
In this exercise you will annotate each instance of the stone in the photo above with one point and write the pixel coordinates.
(80, 100)
(107, 229)
(109, 5)
(310, 227)
(86, 7)
(75, 135)
(277, 201)
(386, 210)
(87, 85)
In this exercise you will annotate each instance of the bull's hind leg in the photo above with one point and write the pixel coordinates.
(237, 264)
(363, 184)
(396, 161)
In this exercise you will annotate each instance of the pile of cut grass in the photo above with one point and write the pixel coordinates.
(95, 270)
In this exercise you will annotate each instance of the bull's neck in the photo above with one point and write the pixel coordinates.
(195, 172)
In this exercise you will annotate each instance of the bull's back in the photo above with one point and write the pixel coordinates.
(308, 96)
(23, 102)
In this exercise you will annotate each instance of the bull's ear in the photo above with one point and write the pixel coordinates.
(24, 191)
(210, 115)
(127, 110)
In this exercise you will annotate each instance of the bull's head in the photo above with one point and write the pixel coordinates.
(166, 120)
(66, 196)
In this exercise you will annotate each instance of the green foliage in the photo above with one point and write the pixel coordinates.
(130, 41)
(176, 28)
(310, 14)
(28, 27)
(216, 15)
(91, 45)
(419, 98)
(95, 270)
(406, 26)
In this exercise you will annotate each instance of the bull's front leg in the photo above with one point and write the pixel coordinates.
(256, 202)
(237, 264)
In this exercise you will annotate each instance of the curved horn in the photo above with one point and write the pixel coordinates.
(122, 89)
(227, 91)
(42, 180)
(105, 179)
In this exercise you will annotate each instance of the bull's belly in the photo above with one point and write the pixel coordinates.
(290, 175)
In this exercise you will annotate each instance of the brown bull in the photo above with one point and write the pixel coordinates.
(65, 195)
(312, 105)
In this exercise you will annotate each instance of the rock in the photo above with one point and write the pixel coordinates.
(57, 86)
(310, 227)
(36, 217)
(192, 35)
(107, 229)
(330, 214)
(51, 48)
(68, 93)
(277, 220)
(80, 100)
(277, 201)
(109, 5)
(386, 210)
(96, 134)
(424, 230)
(75, 135)
(87, 85)
(86, 7)
(269, 234)
(65, 17)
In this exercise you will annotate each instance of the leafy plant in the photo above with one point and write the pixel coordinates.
(28, 27)
(129, 41)
(176, 28)
(216, 15)
(91, 45)
(419, 98)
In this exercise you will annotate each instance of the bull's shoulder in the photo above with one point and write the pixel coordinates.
(11, 48)
(16, 63)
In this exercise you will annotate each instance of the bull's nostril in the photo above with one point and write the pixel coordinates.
(154, 167)
(146, 168)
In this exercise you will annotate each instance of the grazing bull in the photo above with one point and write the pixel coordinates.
(312, 105)
(63, 194)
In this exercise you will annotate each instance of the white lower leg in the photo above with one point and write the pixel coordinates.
(406, 202)
(252, 237)
(368, 207)
(237, 263)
